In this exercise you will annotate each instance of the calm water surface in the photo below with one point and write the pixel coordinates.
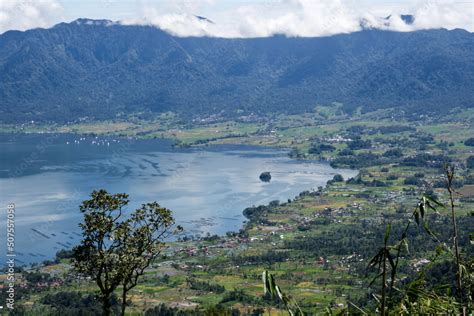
(47, 176)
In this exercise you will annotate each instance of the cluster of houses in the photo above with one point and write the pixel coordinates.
(335, 139)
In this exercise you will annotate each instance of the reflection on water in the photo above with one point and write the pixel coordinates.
(47, 176)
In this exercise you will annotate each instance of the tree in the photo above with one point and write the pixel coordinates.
(470, 162)
(449, 170)
(381, 261)
(359, 144)
(115, 251)
(469, 141)
(397, 152)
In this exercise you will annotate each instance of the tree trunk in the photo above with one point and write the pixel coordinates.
(384, 280)
(456, 251)
(449, 182)
(106, 306)
(124, 301)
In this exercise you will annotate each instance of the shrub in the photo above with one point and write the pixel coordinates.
(411, 181)
(397, 152)
(469, 142)
(470, 162)
(359, 144)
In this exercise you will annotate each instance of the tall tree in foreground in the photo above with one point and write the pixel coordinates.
(449, 171)
(417, 296)
(117, 248)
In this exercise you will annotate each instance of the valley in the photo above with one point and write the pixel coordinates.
(317, 244)
(313, 158)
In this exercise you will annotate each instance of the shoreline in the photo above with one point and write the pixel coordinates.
(243, 224)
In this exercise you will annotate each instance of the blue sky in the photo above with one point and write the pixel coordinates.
(244, 18)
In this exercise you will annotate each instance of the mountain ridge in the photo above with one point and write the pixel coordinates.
(100, 69)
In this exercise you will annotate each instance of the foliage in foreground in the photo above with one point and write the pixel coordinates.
(414, 298)
(114, 251)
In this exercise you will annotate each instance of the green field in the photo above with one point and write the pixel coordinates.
(349, 215)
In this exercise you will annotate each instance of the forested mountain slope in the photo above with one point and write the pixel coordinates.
(99, 69)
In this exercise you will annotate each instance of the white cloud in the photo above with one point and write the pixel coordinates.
(306, 17)
(253, 18)
(27, 14)
(447, 14)
(181, 24)
(264, 18)
(302, 18)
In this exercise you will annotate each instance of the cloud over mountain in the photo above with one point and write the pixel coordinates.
(306, 18)
(27, 14)
(101, 69)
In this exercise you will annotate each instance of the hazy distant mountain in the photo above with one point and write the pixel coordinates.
(98, 68)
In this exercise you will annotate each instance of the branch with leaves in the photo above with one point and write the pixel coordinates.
(272, 289)
(115, 251)
(385, 260)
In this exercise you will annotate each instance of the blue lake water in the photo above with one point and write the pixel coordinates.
(47, 176)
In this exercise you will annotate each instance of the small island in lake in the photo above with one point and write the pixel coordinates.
(265, 176)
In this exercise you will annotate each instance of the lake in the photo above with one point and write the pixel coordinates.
(48, 175)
